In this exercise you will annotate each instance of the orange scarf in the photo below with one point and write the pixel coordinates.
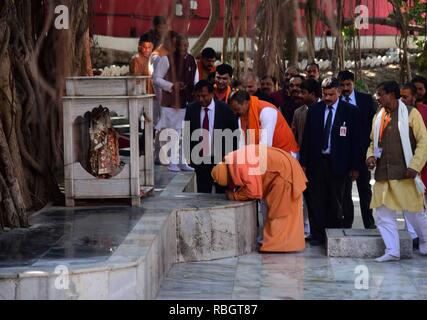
(283, 136)
(227, 94)
(385, 120)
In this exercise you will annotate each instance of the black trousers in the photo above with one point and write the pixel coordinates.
(365, 194)
(325, 196)
(205, 181)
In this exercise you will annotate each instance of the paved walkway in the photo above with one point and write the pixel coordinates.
(309, 275)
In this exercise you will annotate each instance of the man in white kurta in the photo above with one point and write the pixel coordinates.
(172, 117)
(398, 152)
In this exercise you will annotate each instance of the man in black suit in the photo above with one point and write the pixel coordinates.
(330, 154)
(208, 119)
(367, 109)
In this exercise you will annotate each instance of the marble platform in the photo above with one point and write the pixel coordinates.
(121, 252)
(360, 243)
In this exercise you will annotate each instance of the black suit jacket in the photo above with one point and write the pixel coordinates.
(368, 109)
(224, 119)
(345, 151)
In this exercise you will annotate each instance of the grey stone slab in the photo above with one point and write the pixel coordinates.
(7, 290)
(90, 286)
(362, 244)
(34, 288)
(133, 262)
(122, 284)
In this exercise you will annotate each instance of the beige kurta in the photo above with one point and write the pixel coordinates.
(402, 195)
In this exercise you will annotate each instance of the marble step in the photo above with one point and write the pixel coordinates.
(363, 244)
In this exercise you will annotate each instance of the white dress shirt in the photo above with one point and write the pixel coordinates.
(334, 112)
(161, 66)
(268, 119)
(352, 99)
(211, 114)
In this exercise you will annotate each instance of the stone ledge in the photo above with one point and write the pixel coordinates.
(363, 244)
(140, 263)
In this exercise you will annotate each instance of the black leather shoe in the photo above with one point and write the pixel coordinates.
(309, 238)
(416, 243)
(371, 227)
(316, 243)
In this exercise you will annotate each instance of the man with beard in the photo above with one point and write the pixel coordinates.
(268, 85)
(251, 85)
(408, 94)
(282, 97)
(289, 106)
(421, 85)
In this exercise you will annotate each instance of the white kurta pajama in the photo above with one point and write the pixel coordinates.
(392, 196)
(170, 118)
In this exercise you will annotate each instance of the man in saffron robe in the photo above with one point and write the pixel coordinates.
(270, 174)
(264, 122)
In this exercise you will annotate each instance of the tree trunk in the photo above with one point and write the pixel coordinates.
(291, 37)
(405, 67)
(34, 58)
(210, 28)
(228, 24)
(339, 55)
(310, 21)
(244, 15)
(358, 66)
(269, 52)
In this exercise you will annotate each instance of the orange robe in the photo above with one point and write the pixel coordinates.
(281, 185)
(283, 138)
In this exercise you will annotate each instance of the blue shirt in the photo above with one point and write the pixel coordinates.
(352, 99)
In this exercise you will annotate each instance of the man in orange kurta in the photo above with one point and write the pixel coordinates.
(270, 174)
(263, 121)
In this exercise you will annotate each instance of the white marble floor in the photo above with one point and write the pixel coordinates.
(305, 276)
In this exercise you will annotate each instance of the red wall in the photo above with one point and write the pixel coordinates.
(118, 18)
